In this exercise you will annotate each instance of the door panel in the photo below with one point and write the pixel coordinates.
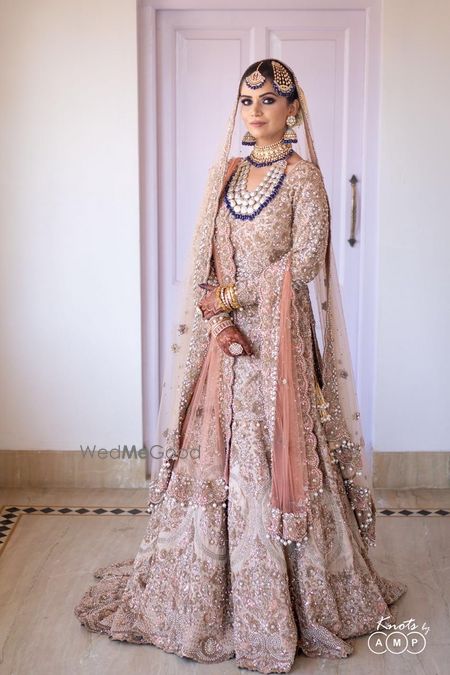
(200, 57)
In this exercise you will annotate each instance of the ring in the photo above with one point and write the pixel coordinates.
(235, 348)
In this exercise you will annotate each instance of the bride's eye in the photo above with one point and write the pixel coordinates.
(246, 101)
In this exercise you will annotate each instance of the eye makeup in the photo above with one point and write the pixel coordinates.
(244, 99)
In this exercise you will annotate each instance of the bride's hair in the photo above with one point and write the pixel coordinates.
(266, 69)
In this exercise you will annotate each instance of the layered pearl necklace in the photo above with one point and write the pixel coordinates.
(245, 204)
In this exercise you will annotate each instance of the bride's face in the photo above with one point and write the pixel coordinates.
(264, 106)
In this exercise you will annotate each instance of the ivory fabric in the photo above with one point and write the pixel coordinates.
(211, 583)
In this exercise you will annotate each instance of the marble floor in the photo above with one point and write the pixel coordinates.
(51, 540)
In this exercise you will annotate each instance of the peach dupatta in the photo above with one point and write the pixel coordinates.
(295, 474)
(289, 465)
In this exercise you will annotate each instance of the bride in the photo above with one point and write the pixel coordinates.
(262, 514)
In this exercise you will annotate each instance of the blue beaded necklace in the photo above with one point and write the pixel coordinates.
(268, 162)
(244, 204)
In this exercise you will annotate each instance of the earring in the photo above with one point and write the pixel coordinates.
(248, 139)
(289, 135)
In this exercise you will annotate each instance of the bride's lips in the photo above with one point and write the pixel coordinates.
(257, 124)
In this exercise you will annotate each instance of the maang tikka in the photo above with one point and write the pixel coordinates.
(256, 79)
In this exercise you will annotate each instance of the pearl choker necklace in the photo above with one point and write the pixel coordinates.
(268, 154)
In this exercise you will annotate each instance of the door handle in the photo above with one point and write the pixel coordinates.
(352, 240)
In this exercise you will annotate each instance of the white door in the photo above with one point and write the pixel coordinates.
(200, 56)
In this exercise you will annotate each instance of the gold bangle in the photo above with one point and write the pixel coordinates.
(223, 295)
(228, 297)
(235, 302)
(222, 298)
(219, 299)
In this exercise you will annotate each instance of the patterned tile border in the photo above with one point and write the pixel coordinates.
(11, 515)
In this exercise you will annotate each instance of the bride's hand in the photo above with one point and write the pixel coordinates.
(209, 304)
(233, 334)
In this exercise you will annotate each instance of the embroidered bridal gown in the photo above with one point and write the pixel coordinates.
(209, 584)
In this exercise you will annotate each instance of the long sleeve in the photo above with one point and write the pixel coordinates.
(310, 229)
(212, 277)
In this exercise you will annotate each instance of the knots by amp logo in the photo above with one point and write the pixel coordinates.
(406, 637)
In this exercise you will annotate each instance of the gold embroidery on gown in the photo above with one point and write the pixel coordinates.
(209, 584)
